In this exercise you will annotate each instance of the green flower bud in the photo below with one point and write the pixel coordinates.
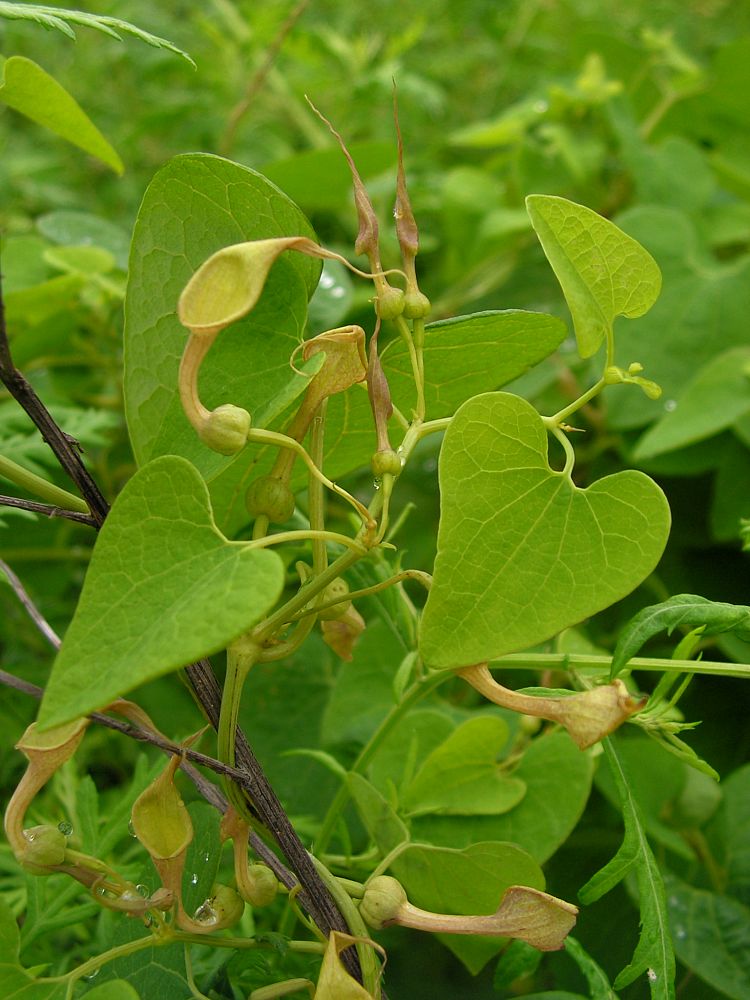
(44, 847)
(383, 900)
(262, 885)
(385, 463)
(270, 497)
(225, 429)
(335, 591)
(416, 305)
(390, 302)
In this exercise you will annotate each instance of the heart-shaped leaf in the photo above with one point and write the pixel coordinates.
(603, 273)
(462, 777)
(164, 588)
(522, 552)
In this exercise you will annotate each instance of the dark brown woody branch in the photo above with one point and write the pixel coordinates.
(47, 509)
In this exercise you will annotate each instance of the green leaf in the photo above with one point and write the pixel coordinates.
(657, 781)
(711, 936)
(194, 206)
(471, 354)
(518, 961)
(654, 953)
(727, 834)
(61, 19)
(522, 552)
(164, 588)
(202, 857)
(381, 822)
(319, 179)
(471, 881)
(406, 746)
(363, 691)
(155, 971)
(558, 782)
(603, 273)
(703, 306)
(115, 989)
(15, 981)
(683, 609)
(71, 228)
(462, 775)
(596, 977)
(713, 400)
(29, 89)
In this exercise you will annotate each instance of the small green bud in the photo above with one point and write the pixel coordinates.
(390, 302)
(335, 591)
(270, 497)
(226, 429)
(262, 885)
(416, 305)
(383, 899)
(44, 847)
(385, 463)
(635, 368)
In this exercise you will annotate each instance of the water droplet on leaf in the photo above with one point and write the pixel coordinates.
(65, 828)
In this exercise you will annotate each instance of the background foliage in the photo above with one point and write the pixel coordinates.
(636, 110)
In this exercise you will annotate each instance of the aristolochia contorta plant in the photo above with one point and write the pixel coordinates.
(243, 423)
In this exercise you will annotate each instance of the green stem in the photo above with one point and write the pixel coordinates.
(406, 336)
(567, 411)
(304, 947)
(408, 574)
(564, 661)
(41, 488)
(411, 696)
(315, 491)
(304, 534)
(241, 655)
(570, 455)
(259, 436)
(356, 925)
(95, 963)
(304, 595)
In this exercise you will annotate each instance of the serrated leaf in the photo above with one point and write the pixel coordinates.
(462, 776)
(682, 609)
(164, 588)
(522, 552)
(30, 90)
(717, 396)
(654, 952)
(470, 881)
(603, 272)
(61, 19)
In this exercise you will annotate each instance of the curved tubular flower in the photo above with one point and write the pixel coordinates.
(530, 915)
(588, 716)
